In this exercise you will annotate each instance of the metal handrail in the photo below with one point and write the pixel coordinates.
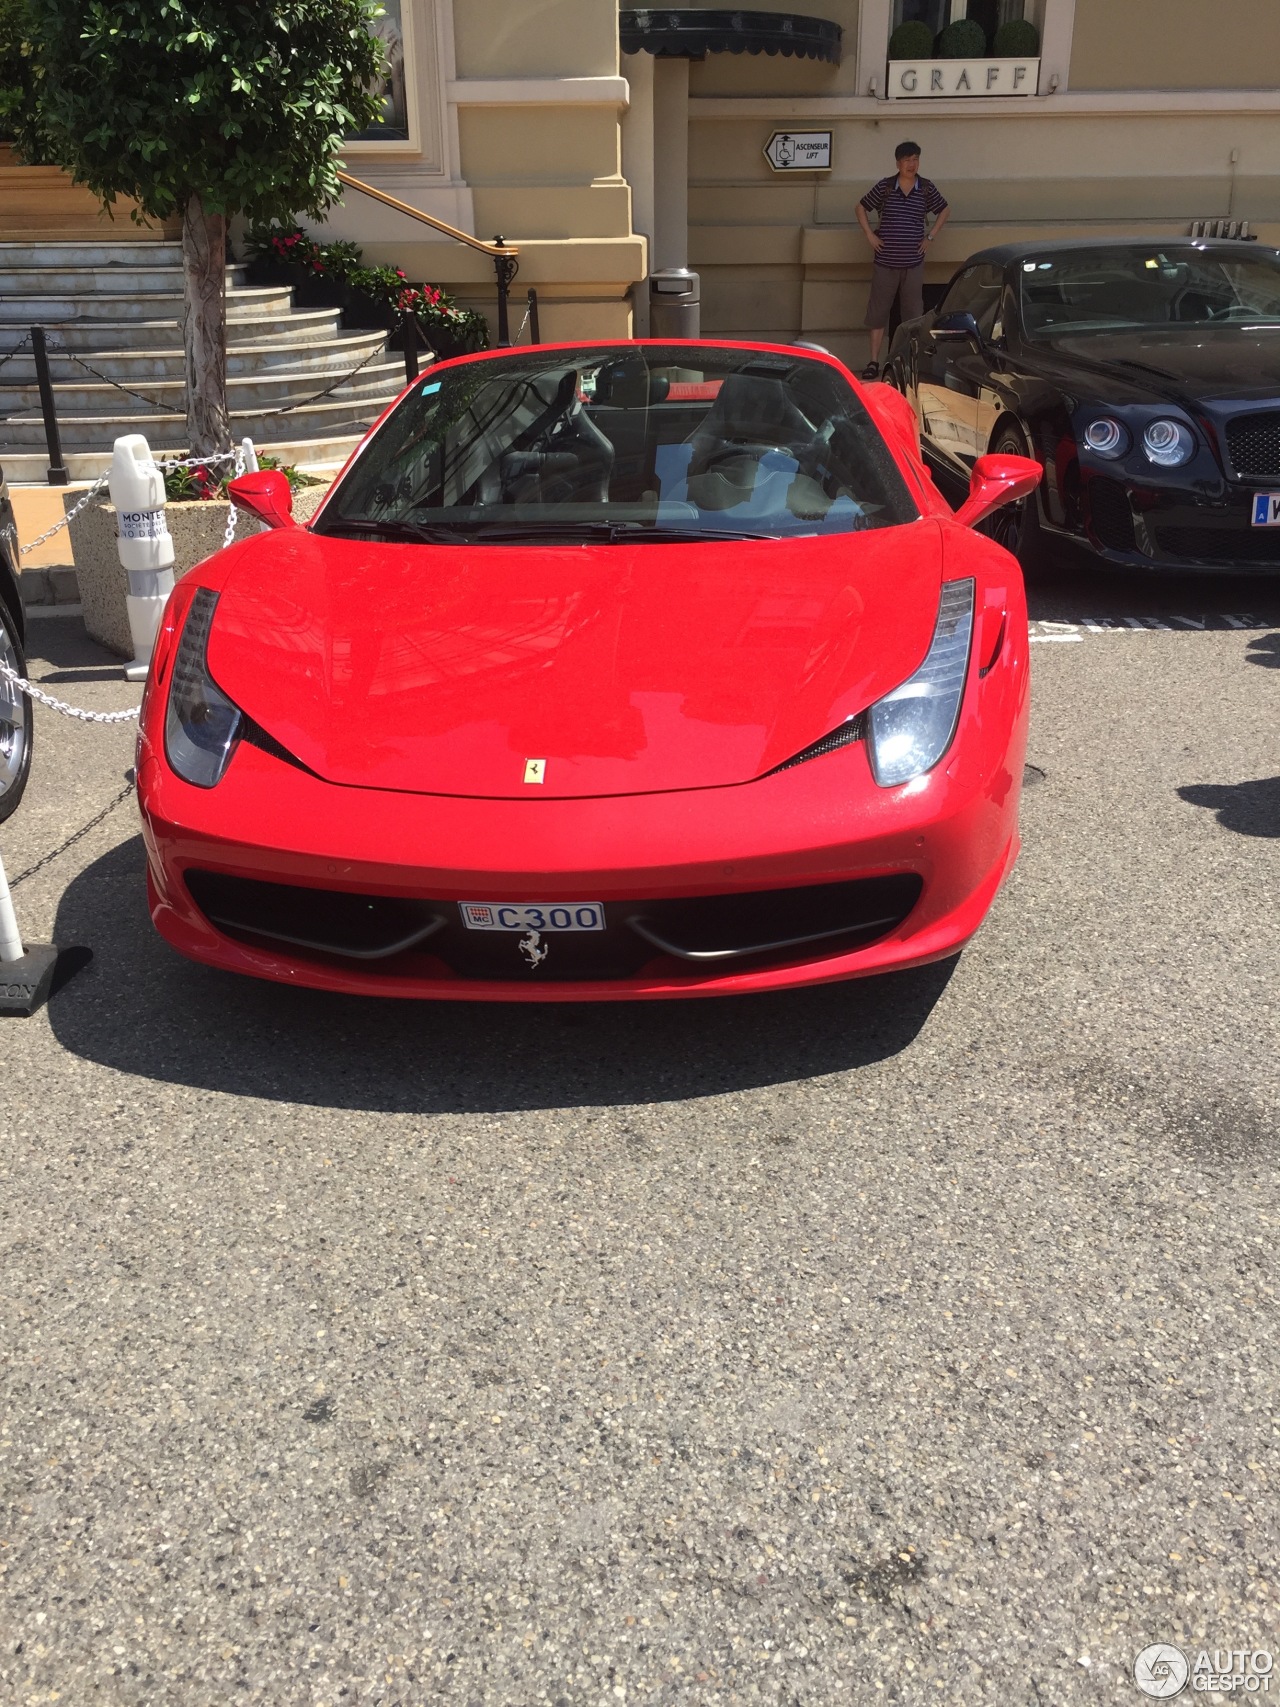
(500, 252)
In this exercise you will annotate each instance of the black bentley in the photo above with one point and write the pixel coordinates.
(1144, 374)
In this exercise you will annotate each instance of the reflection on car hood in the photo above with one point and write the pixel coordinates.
(629, 669)
(1228, 363)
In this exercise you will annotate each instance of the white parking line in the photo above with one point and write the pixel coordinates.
(1046, 632)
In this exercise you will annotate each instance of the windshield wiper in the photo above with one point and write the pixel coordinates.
(413, 531)
(612, 533)
(497, 533)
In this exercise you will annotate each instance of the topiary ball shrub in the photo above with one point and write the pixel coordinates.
(1018, 38)
(912, 40)
(964, 39)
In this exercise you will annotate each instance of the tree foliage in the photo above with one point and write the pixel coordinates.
(243, 106)
(19, 85)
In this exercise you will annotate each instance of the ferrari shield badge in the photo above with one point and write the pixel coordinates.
(535, 770)
(533, 948)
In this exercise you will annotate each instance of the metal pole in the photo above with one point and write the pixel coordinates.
(506, 269)
(409, 327)
(10, 941)
(535, 337)
(58, 475)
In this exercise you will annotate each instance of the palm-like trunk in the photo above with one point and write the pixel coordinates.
(204, 328)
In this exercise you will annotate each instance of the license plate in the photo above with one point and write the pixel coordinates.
(1266, 509)
(532, 915)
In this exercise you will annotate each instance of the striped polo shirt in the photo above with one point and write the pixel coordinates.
(901, 224)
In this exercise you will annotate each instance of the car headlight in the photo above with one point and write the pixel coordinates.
(202, 726)
(1168, 443)
(1106, 437)
(912, 727)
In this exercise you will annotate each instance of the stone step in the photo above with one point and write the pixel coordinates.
(137, 367)
(166, 431)
(254, 391)
(320, 455)
(46, 253)
(104, 282)
(303, 325)
(47, 310)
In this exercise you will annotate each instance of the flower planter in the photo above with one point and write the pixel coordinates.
(265, 270)
(364, 313)
(319, 290)
(197, 528)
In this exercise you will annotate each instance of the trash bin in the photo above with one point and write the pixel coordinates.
(675, 307)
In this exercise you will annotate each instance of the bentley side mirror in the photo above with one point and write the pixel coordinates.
(997, 480)
(950, 328)
(265, 494)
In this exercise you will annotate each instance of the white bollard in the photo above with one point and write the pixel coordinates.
(28, 977)
(249, 456)
(10, 941)
(146, 549)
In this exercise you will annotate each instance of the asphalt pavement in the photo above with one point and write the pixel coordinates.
(903, 1341)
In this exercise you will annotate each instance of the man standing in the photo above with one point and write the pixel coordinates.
(899, 242)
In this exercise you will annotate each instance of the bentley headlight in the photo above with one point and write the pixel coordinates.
(1106, 437)
(1168, 443)
(912, 727)
(202, 726)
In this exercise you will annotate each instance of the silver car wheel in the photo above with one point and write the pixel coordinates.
(15, 723)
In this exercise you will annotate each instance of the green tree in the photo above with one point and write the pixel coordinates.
(19, 77)
(209, 109)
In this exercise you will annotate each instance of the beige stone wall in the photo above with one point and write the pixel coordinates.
(773, 75)
(1175, 44)
(532, 107)
(783, 256)
(536, 38)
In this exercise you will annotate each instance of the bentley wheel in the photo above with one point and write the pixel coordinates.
(15, 720)
(1016, 526)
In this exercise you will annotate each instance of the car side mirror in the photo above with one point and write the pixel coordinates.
(265, 494)
(997, 480)
(953, 328)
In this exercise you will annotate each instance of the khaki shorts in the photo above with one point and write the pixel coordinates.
(886, 282)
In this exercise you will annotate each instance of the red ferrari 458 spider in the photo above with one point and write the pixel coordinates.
(604, 671)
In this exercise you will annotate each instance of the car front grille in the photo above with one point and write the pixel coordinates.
(1253, 444)
(1110, 514)
(1250, 546)
(698, 934)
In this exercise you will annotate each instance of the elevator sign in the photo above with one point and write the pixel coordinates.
(799, 151)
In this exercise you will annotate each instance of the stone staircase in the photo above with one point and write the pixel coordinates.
(111, 315)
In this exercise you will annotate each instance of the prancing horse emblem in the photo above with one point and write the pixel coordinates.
(533, 948)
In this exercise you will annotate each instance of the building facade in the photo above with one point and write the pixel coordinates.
(526, 118)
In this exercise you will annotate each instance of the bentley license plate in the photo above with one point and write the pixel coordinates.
(1266, 509)
(532, 915)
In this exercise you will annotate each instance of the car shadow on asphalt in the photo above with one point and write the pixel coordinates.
(142, 1009)
(1066, 593)
(1248, 808)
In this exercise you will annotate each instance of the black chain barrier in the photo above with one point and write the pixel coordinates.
(75, 836)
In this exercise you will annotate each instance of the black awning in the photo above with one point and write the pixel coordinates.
(695, 33)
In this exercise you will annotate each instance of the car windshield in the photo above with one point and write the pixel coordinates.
(629, 442)
(1105, 290)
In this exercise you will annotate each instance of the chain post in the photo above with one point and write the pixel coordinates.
(409, 332)
(505, 267)
(58, 475)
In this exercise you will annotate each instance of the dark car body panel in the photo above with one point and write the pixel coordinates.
(1126, 510)
(9, 593)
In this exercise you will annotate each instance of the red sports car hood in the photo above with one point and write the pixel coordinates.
(626, 668)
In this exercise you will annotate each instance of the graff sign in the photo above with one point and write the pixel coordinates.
(922, 79)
